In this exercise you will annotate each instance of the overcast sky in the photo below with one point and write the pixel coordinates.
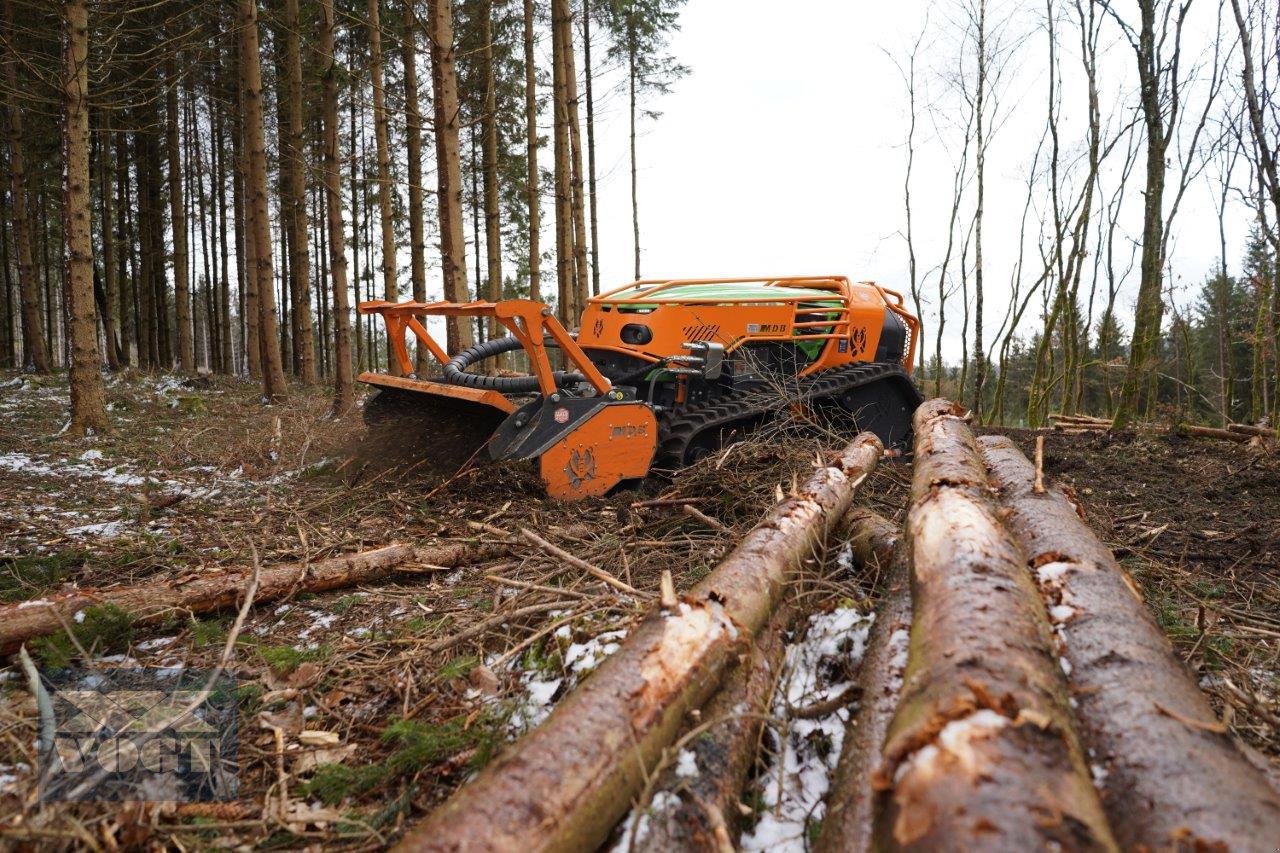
(782, 150)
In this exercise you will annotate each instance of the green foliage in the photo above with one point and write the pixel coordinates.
(24, 578)
(285, 659)
(342, 605)
(457, 667)
(104, 629)
(415, 745)
(209, 632)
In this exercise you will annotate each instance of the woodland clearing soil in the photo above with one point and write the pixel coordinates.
(197, 477)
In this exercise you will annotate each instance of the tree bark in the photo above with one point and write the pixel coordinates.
(273, 381)
(591, 147)
(413, 133)
(1143, 717)
(88, 399)
(1144, 348)
(444, 81)
(489, 122)
(531, 154)
(35, 353)
(565, 784)
(631, 118)
(390, 289)
(982, 746)
(152, 603)
(343, 386)
(110, 272)
(562, 170)
(178, 220)
(848, 822)
(577, 202)
(295, 203)
(701, 812)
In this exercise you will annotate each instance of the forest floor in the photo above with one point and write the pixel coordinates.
(363, 708)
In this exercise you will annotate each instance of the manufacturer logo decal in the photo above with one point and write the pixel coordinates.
(561, 415)
(629, 431)
(766, 328)
(858, 337)
(580, 467)
(598, 327)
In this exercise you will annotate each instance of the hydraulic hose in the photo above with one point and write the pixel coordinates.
(455, 371)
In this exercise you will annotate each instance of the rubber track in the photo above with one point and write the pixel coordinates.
(678, 430)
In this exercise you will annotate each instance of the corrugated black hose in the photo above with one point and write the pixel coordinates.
(455, 371)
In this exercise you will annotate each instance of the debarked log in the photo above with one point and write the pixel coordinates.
(982, 752)
(1169, 773)
(153, 603)
(848, 821)
(567, 783)
(699, 811)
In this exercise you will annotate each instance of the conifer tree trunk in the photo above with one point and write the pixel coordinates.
(178, 219)
(576, 179)
(128, 270)
(147, 353)
(449, 166)
(296, 203)
(227, 356)
(413, 146)
(565, 257)
(390, 291)
(35, 353)
(273, 381)
(591, 148)
(110, 276)
(492, 220)
(631, 114)
(88, 399)
(531, 154)
(343, 387)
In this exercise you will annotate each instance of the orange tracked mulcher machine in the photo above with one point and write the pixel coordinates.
(660, 372)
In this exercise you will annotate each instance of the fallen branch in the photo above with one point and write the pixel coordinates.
(152, 603)
(568, 782)
(1213, 432)
(848, 821)
(1142, 715)
(695, 513)
(981, 750)
(1250, 429)
(578, 562)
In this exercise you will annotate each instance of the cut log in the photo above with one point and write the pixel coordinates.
(1251, 429)
(567, 783)
(1169, 774)
(850, 802)
(981, 752)
(701, 811)
(872, 537)
(1213, 432)
(1080, 419)
(155, 602)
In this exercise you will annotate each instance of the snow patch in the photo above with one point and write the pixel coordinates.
(663, 801)
(687, 764)
(796, 781)
(103, 530)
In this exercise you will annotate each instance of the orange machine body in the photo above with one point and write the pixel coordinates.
(589, 428)
(840, 321)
